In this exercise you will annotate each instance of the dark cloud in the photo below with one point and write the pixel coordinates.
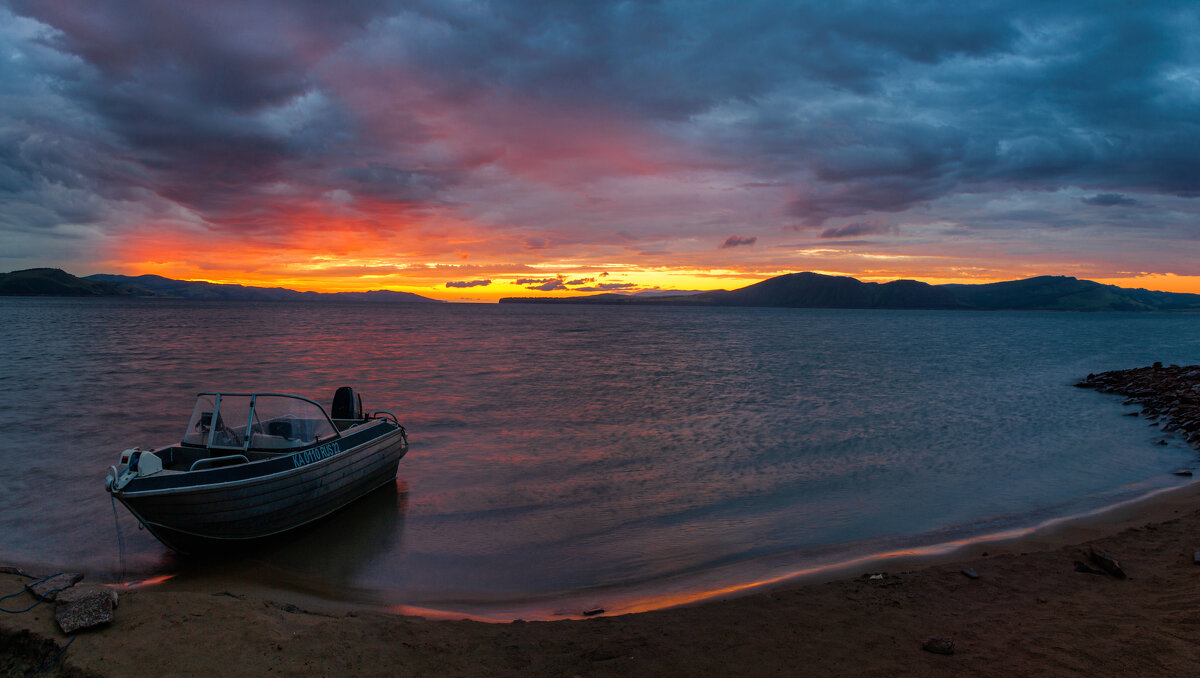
(860, 196)
(392, 184)
(608, 287)
(737, 241)
(858, 229)
(549, 286)
(675, 61)
(1110, 200)
(214, 107)
(537, 281)
(581, 281)
(1063, 100)
(468, 283)
(238, 56)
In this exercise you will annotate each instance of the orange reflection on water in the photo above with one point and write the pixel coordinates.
(659, 602)
(152, 581)
(442, 615)
(650, 603)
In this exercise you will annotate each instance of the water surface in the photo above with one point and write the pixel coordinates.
(566, 451)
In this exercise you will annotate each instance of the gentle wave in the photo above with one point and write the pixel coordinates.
(561, 449)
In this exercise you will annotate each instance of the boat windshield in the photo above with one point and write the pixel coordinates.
(246, 421)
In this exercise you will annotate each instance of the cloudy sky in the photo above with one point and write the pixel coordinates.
(472, 150)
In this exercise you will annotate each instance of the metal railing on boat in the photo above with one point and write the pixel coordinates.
(200, 463)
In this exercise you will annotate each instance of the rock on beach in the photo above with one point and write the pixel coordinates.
(83, 607)
(48, 589)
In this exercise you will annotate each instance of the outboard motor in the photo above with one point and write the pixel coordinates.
(346, 404)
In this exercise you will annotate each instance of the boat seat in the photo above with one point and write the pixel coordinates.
(283, 429)
(271, 442)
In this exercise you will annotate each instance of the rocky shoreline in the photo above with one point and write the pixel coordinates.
(1169, 393)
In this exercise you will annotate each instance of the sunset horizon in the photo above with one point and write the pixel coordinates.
(582, 284)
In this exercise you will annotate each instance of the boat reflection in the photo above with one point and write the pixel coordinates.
(324, 557)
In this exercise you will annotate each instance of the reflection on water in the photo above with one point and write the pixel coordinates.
(330, 554)
(326, 556)
(584, 450)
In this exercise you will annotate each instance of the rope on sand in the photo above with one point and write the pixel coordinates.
(40, 599)
(50, 662)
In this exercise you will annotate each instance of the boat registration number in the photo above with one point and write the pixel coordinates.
(316, 454)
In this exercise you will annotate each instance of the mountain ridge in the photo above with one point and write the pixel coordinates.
(55, 282)
(815, 290)
(791, 290)
(194, 289)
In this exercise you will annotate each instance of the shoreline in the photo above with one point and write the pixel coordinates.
(1030, 610)
(248, 574)
(251, 576)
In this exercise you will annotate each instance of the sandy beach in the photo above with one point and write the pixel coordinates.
(1030, 612)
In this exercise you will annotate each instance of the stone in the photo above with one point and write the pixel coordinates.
(50, 588)
(1169, 393)
(971, 573)
(1106, 562)
(1183, 472)
(939, 645)
(84, 607)
(1081, 566)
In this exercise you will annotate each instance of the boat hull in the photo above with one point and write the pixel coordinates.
(217, 512)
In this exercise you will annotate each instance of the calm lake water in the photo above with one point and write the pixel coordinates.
(576, 454)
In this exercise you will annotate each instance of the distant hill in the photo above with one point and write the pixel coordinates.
(53, 282)
(813, 290)
(1061, 293)
(665, 293)
(191, 289)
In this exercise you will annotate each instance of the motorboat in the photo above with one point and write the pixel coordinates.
(255, 465)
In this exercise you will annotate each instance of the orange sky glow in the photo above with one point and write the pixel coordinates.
(337, 256)
(481, 152)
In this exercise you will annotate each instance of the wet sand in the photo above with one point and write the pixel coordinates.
(1030, 612)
